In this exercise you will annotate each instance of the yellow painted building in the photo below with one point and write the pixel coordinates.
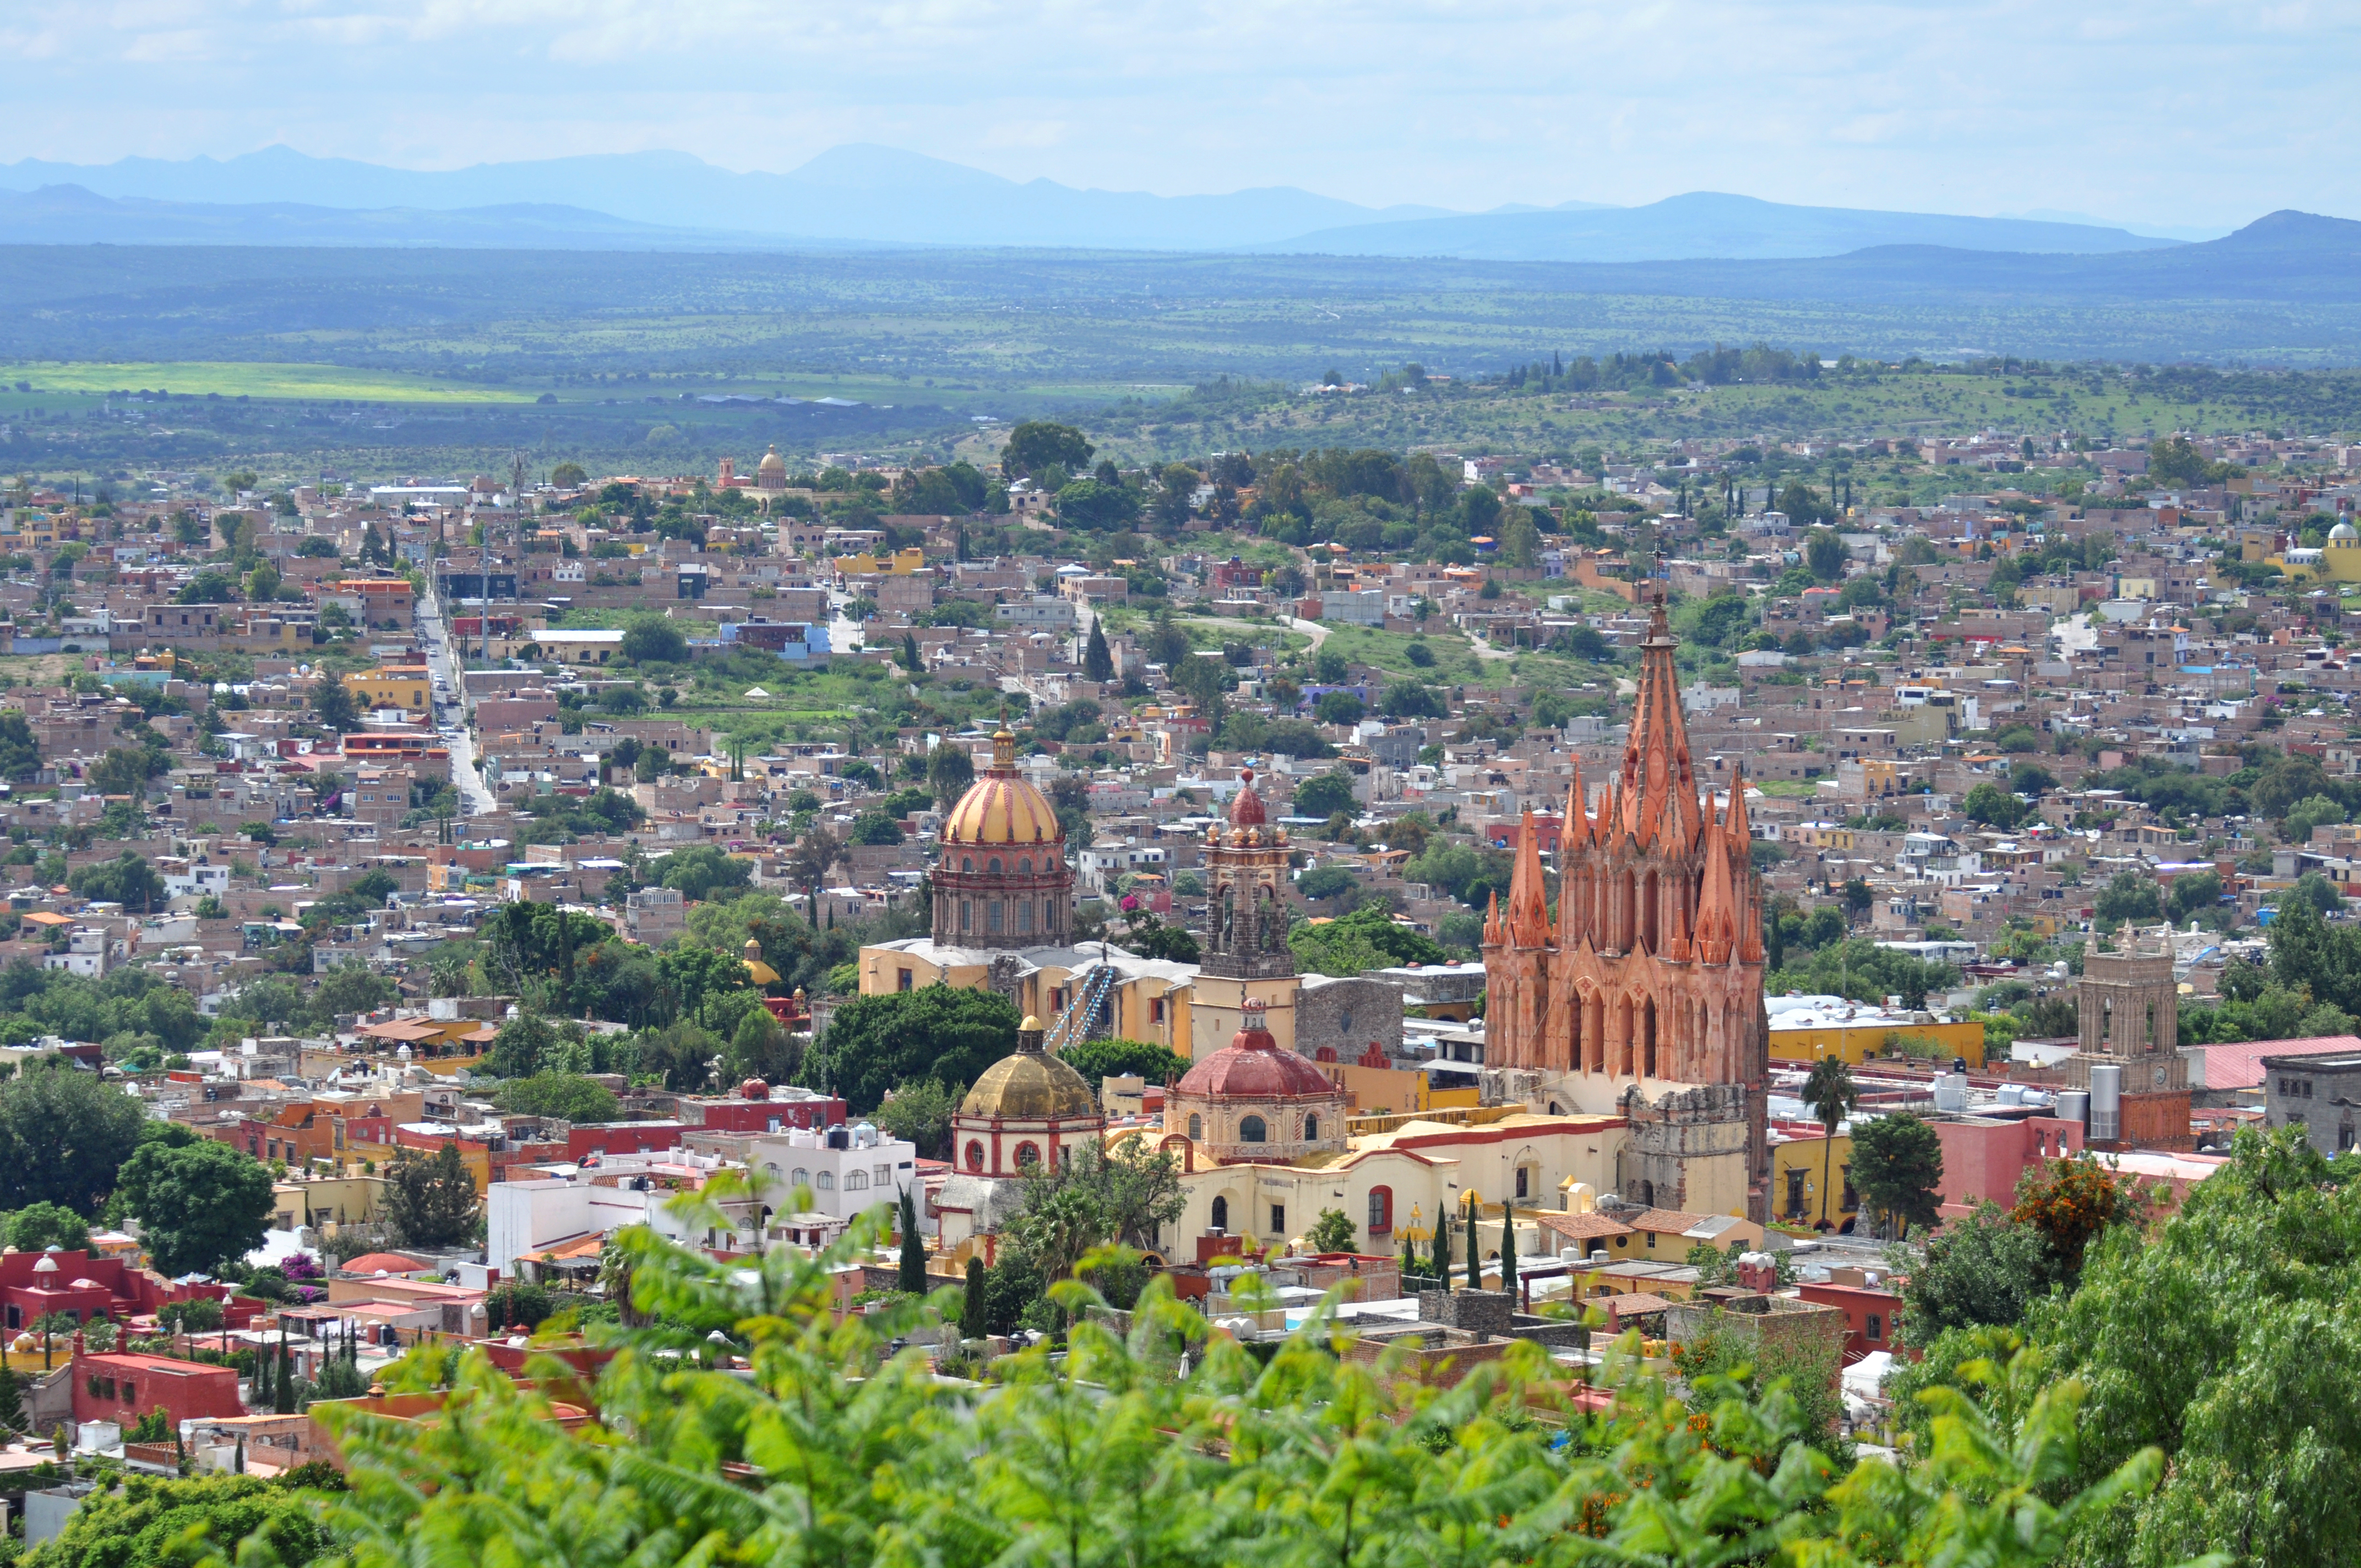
(381, 688)
(900, 564)
(1150, 1001)
(1799, 1163)
(1872, 1036)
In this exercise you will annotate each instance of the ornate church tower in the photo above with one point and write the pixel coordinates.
(1650, 978)
(1244, 951)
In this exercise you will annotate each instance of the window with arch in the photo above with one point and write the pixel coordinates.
(992, 867)
(1381, 1209)
(967, 864)
(801, 1178)
(1524, 1178)
(826, 1181)
(1027, 1154)
(1221, 1214)
(974, 1158)
(770, 1167)
(856, 1181)
(1025, 865)
(1196, 1127)
(1252, 1131)
(1311, 1129)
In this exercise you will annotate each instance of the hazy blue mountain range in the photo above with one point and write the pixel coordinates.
(1704, 224)
(873, 195)
(72, 214)
(855, 192)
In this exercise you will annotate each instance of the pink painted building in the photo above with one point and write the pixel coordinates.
(1984, 1155)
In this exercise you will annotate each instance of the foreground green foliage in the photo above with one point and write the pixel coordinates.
(1163, 1444)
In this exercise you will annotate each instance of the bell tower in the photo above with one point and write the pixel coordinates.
(1244, 948)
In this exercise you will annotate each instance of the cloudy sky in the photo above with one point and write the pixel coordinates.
(2168, 111)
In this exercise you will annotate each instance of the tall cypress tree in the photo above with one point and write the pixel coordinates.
(1509, 1248)
(1442, 1249)
(913, 1273)
(1098, 661)
(971, 1308)
(1475, 1256)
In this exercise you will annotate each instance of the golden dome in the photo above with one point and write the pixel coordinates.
(1002, 808)
(772, 462)
(757, 971)
(1029, 1086)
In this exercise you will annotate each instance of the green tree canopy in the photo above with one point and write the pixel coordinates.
(941, 1032)
(1037, 444)
(41, 1225)
(569, 1095)
(706, 870)
(1324, 795)
(1097, 1059)
(651, 640)
(430, 1199)
(1995, 806)
(199, 1206)
(1897, 1169)
(148, 1521)
(63, 1136)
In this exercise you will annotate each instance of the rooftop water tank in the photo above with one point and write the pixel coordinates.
(2106, 1103)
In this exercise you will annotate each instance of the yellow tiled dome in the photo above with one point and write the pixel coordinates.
(1029, 1086)
(1001, 808)
(772, 462)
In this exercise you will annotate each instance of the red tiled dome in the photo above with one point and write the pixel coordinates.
(1246, 810)
(1252, 1066)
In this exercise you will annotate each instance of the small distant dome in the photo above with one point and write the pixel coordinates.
(2342, 533)
(47, 1266)
(1031, 1023)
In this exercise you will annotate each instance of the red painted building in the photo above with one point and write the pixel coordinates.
(124, 1388)
(1872, 1311)
(621, 1137)
(34, 1284)
(758, 1108)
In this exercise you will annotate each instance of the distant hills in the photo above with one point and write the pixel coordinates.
(867, 195)
(1702, 224)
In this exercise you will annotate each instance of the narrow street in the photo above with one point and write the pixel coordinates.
(474, 798)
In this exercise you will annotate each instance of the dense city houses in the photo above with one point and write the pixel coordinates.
(1480, 888)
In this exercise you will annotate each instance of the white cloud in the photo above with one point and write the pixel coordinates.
(2174, 111)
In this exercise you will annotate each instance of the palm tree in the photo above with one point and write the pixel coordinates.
(1830, 1092)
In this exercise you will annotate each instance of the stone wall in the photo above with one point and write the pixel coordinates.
(1347, 1015)
(1688, 1149)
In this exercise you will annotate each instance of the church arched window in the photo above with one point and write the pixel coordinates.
(1027, 1154)
(1381, 1209)
(967, 864)
(1311, 1129)
(974, 1158)
(1025, 866)
(1252, 1131)
(992, 867)
(1221, 1214)
(1024, 916)
(1196, 1127)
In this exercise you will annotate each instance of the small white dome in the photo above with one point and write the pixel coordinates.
(2342, 533)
